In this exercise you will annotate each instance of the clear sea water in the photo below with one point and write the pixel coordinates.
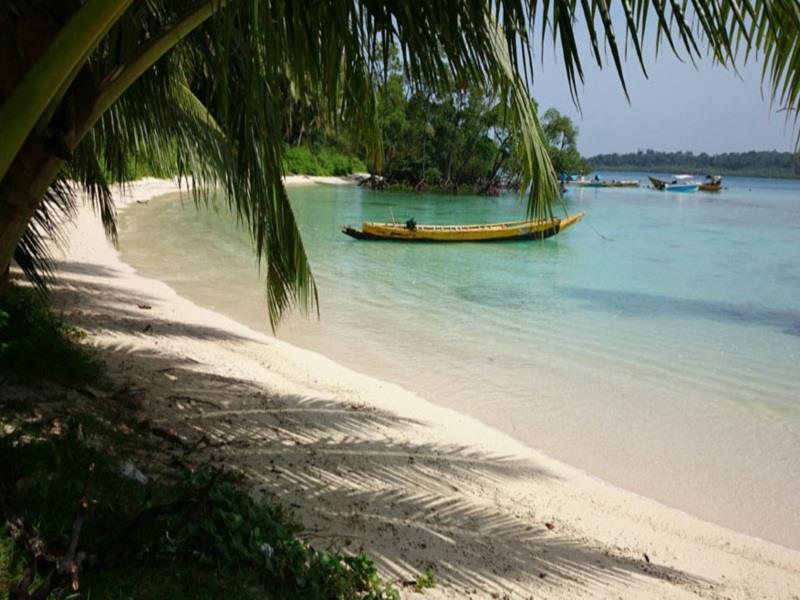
(655, 345)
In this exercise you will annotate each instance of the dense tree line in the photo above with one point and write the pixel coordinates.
(753, 163)
(459, 140)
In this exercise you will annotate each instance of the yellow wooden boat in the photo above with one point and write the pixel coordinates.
(532, 229)
(712, 183)
(711, 187)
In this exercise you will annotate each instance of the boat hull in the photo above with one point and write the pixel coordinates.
(680, 187)
(499, 232)
(711, 187)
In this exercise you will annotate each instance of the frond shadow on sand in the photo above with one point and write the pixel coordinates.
(358, 477)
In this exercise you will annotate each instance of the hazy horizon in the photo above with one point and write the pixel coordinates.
(680, 107)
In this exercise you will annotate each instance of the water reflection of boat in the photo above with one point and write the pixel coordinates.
(532, 229)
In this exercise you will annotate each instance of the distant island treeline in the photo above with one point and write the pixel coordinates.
(749, 164)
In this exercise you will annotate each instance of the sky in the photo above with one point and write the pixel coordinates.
(679, 107)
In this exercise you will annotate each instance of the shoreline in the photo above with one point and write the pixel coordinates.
(299, 180)
(482, 511)
(661, 171)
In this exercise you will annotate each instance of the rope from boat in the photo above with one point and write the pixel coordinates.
(608, 239)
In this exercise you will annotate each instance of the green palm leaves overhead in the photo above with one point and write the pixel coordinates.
(201, 86)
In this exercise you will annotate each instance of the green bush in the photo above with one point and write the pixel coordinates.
(35, 344)
(202, 536)
(11, 565)
(324, 161)
(233, 530)
(426, 579)
(300, 160)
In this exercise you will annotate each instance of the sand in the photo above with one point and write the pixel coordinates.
(369, 466)
(295, 180)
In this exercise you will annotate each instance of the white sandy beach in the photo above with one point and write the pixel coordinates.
(370, 466)
(295, 180)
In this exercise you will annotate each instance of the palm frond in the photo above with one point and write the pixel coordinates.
(775, 32)
(33, 253)
(85, 169)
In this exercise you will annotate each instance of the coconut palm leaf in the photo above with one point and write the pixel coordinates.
(775, 32)
(45, 230)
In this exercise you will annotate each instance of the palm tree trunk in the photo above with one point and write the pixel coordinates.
(48, 77)
(5, 280)
(25, 184)
(33, 170)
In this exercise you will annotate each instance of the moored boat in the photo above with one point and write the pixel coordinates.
(603, 183)
(681, 187)
(712, 183)
(680, 183)
(624, 183)
(531, 229)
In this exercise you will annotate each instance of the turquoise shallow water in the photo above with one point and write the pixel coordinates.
(655, 345)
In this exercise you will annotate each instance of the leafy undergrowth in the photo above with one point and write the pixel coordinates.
(323, 161)
(196, 535)
(81, 520)
(36, 344)
(425, 580)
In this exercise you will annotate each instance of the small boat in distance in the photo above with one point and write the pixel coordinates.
(712, 183)
(531, 229)
(602, 183)
(680, 183)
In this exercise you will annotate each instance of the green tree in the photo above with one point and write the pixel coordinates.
(461, 138)
(561, 136)
(87, 86)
